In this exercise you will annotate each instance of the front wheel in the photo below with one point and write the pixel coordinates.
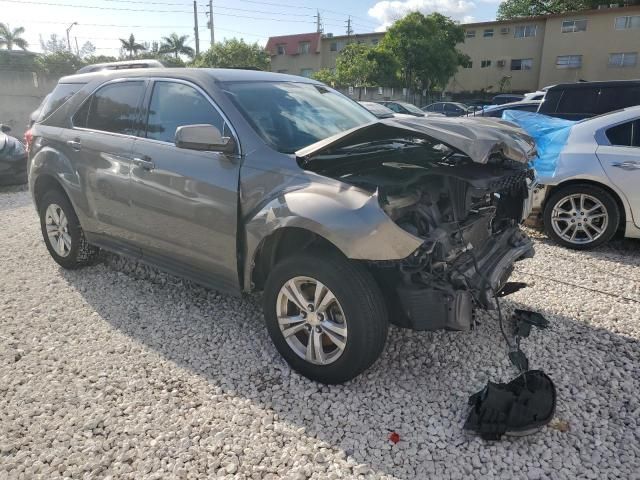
(325, 315)
(581, 216)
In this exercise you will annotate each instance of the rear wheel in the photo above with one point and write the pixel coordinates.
(581, 216)
(325, 315)
(62, 232)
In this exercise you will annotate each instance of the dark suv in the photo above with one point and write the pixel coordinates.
(245, 181)
(577, 101)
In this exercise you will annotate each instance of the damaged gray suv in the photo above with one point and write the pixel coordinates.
(252, 181)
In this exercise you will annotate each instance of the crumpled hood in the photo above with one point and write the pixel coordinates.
(478, 138)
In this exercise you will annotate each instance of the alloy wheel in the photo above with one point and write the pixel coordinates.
(311, 320)
(57, 227)
(579, 218)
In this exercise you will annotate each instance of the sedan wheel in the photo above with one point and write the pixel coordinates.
(579, 218)
(311, 320)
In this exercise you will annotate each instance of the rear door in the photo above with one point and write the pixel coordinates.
(620, 158)
(101, 142)
(184, 203)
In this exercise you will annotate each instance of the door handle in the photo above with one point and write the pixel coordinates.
(628, 165)
(75, 144)
(146, 163)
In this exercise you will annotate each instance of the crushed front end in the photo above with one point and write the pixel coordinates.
(463, 188)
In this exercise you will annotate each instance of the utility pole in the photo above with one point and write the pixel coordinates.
(195, 26)
(319, 27)
(349, 29)
(213, 40)
(68, 39)
(77, 49)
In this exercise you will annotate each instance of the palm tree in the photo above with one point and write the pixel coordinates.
(176, 45)
(9, 37)
(132, 46)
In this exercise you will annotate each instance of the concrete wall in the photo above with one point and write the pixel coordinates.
(20, 94)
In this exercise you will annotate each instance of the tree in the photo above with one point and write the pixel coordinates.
(176, 45)
(53, 45)
(87, 49)
(353, 66)
(60, 63)
(325, 75)
(10, 38)
(425, 47)
(131, 46)
(234, 53)
(529, 8)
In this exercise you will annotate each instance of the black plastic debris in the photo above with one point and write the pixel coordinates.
(525, 319)
(520, 407)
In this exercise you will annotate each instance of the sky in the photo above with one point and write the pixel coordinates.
(103, 22)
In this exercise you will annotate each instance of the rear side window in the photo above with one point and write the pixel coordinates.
(616, 98)
(174, 105)
(113, 108)
(57, 98)
(579, 100)
(625, 134)
(550, 103)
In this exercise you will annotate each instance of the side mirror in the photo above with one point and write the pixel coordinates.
(203, 137)
(5, 128)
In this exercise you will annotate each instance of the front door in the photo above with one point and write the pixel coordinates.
(184, 203)
(621, 162)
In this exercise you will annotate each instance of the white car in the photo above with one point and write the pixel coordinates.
(595, 190)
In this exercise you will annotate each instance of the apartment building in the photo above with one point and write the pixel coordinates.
(512, 55)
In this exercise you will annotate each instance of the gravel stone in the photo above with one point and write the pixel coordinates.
(120, 371)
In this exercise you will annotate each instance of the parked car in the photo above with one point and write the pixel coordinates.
(506, 98)
(403, 107)
(448, 109)
(576, 101)
(594, 191)
(496, 110)
(13, 159)
(380, 111)
(256, 181)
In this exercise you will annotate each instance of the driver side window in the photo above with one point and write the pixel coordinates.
(174, 105)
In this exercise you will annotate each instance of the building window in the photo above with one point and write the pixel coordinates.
(522, 31)
(333, 46)
(470, 33)
(485, 63)
(468, 64)
(522, 64)
(570, 26)
(569, 61)
(282, 49)
(304, 47)
(629, 59)
(488, 32)
(306, 72)
(375, 41)
(623, 23)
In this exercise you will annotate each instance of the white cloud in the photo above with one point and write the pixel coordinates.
(386, 12)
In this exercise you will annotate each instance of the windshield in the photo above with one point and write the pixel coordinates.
(290, 115)
(412, 108)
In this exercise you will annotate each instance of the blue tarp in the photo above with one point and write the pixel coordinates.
(549, 133)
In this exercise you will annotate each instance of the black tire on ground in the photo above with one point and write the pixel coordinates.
(601, 195)
(361, 300)
(81, 252)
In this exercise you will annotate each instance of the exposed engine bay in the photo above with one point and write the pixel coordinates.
(466, 213)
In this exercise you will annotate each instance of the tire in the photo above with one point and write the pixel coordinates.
(605, 218)
(358, 305)
(77, 252)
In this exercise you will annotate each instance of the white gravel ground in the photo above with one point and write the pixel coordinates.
(118, 371)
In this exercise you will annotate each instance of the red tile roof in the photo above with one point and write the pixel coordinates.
(291, 43)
